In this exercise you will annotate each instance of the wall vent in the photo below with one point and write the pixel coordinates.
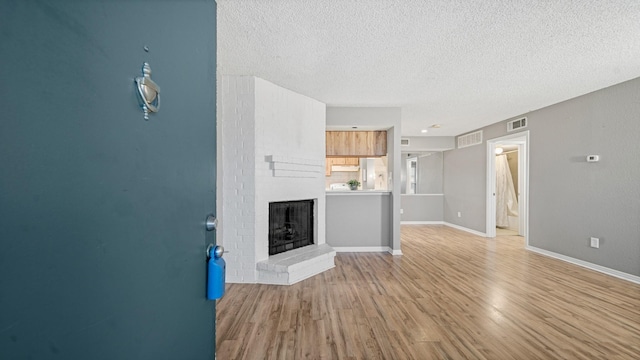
(474, 138)
(516, 124)
(404, 142)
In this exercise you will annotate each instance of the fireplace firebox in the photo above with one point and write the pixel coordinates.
(290, 225)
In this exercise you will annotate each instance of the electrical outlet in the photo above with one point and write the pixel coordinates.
(459, 214)
(401, 211)
(595, 242)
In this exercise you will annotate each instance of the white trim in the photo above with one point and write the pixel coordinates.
(490, 195)
(422, 194)
(522, 140)
(357, 192)
(585, 264)
(523, 186)
(465, 229)
(361, 249)
(292, 160)
(421, 222)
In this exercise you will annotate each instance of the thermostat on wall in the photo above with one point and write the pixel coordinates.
(593, 158)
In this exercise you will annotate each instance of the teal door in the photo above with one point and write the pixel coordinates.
(102, 213)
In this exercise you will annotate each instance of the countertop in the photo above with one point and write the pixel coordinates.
(357, 192)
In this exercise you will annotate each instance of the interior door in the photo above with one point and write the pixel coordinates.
(102, 212)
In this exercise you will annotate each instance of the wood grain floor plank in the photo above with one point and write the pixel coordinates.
(451, 296)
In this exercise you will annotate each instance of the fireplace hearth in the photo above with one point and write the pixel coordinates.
(290, 225)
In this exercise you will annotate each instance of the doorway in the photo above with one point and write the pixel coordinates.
(412, 175)
(516, 144)
(507, 190)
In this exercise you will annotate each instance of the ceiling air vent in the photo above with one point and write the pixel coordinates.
(404, 142)
(474, 138)
(516, 124)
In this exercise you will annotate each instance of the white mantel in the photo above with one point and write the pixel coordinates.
(271, 147)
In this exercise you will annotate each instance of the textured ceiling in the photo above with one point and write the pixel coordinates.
(462, 64)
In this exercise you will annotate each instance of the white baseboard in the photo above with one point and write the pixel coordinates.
(368, 249)
(585, 264)
(474, 232)
(422, 222)
(362, 249)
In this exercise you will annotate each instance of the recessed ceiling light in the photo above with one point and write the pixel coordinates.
(436, 126)
(424, 131)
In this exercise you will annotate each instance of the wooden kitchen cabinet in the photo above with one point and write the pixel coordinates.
(356, 143)
(330, 161)
(379, 142)
(352, 161)
(339, 143)
(344, 161)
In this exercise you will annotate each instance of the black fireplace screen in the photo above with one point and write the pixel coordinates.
(290, 225)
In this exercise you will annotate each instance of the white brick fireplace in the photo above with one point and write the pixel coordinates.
(271, 147)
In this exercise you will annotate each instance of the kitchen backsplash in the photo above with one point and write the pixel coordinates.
(341, 177)
(376, 176)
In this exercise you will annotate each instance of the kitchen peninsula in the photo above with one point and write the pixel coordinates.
(367, 219)
(359, 220)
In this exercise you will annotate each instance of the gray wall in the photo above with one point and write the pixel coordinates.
(425, 206)
(465, 181)
(429, 166)
(429, 143)
(379, 117)
(570, 199)
(359, 220)
(421, 207)
(430, 173)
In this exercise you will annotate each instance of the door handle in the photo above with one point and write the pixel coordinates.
(215, 251)
(211, 223)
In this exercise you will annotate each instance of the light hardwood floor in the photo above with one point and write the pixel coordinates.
(451, 296)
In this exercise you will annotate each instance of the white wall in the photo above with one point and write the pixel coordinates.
(236, 176)
(272, 149)
(292, 127)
